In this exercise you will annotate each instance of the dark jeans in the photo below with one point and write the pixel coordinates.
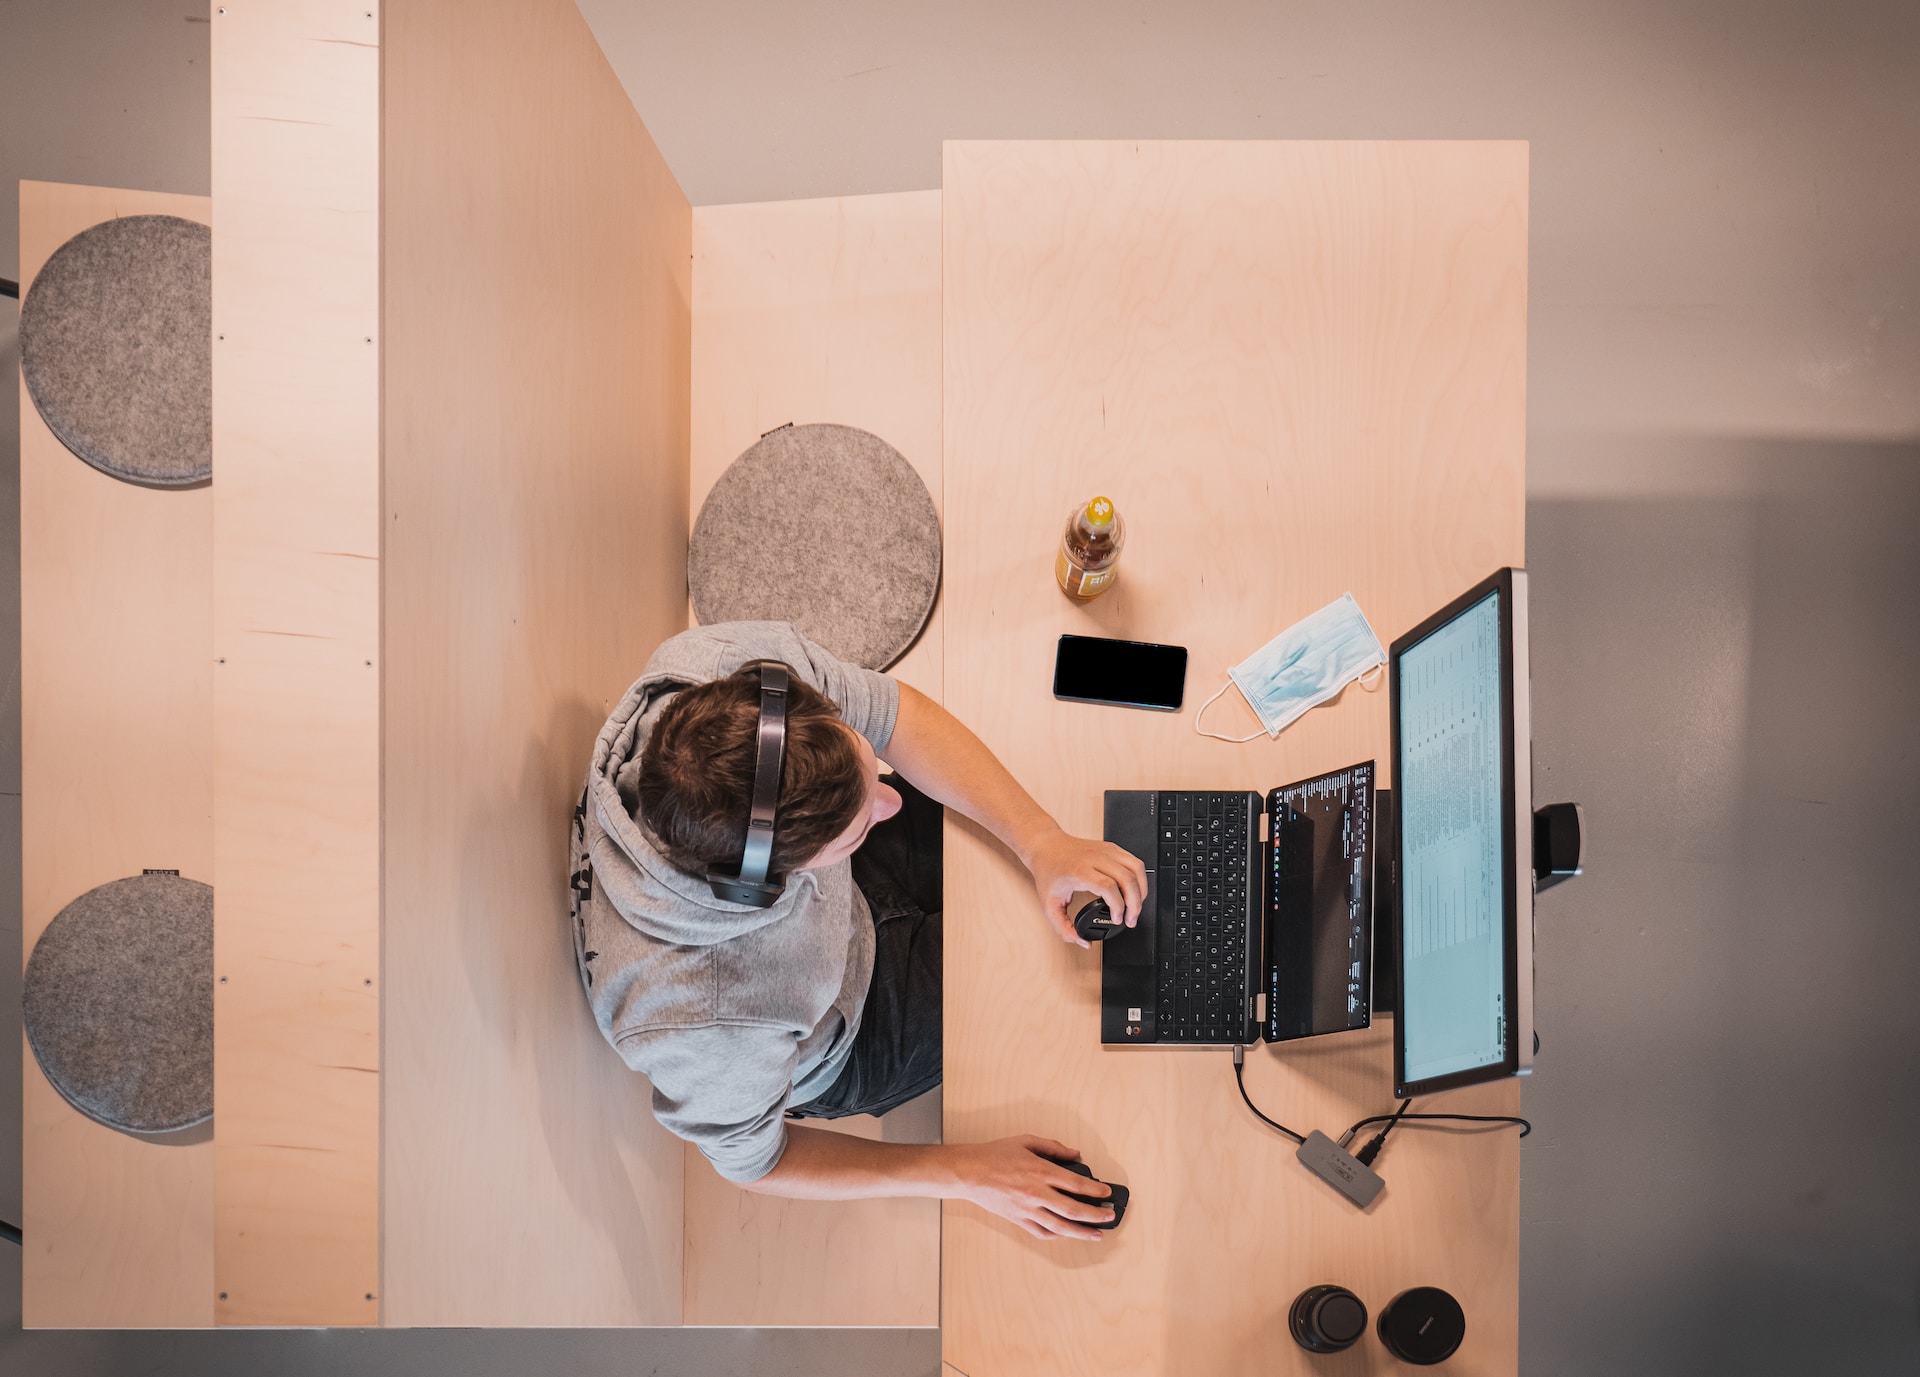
(896, 1053)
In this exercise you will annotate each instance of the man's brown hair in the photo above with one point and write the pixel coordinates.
(696, 775)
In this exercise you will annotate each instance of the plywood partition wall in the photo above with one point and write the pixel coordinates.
(116, 705)
(1299, 370)
(821, 310)
(296, 529)
(804, 311)
(537, 255)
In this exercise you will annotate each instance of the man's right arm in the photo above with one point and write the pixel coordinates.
(1008, 1177)
(734, 1118)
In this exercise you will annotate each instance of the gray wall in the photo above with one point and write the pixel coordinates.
(1724, 494)
(1725, 198)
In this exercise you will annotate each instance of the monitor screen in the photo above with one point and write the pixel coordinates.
(1449, 775)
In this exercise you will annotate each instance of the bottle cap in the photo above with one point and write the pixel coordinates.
(1100, 512)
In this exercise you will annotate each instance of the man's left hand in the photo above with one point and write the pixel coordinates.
(1062, 863)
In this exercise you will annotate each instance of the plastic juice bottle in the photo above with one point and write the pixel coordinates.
(1089, 550)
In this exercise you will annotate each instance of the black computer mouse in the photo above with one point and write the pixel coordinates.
(1118, 1199)
(1095, 921)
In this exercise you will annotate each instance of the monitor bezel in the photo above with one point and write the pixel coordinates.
(1501, 582)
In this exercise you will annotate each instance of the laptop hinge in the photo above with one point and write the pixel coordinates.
(1263, 927)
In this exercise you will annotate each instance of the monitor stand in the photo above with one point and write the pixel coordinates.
(1558, 842)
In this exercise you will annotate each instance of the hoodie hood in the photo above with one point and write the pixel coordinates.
(650, 892)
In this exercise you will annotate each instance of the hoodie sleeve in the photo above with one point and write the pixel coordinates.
(868, 700)
(723, 1087)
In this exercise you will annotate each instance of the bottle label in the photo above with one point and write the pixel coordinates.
(1075, 581)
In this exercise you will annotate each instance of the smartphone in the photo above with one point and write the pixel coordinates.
(1128, 674)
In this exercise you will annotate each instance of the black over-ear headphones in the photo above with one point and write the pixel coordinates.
(753, 886)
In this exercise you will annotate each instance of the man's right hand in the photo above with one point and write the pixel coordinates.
(1011, 1177)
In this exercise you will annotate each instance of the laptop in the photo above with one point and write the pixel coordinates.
(1258, 920)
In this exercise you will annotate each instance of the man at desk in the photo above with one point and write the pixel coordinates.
(827, 1003)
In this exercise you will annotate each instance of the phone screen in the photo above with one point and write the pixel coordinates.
(1133, 674)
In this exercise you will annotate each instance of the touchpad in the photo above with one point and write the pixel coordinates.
(1131, 823)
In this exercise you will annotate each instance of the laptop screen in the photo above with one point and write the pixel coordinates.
(1320, 905)
(1449, 774)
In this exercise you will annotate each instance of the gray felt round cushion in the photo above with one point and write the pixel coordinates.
(119, 1003)
(824, 526)
(116, 346)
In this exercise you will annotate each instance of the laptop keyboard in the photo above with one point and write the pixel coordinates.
(1204, 841)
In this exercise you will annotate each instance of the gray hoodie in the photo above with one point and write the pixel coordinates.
(732, 1012)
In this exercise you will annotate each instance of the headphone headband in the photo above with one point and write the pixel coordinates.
(754, 886)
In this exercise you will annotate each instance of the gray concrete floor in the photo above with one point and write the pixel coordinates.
(1724, 491)
(1727, 1086)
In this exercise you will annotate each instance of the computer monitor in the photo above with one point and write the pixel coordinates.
(1463, 915)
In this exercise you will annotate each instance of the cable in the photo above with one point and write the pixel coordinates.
(1372, 1147)
(1239, 1079)
(1390, 1120)
(10, 1232)
(8, 288)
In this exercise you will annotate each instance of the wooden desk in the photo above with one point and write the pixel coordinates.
(1298, 369)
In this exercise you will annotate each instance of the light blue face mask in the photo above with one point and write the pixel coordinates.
(1303, 667)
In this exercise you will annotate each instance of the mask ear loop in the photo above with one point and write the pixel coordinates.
(1216, 735)
(1361, 679)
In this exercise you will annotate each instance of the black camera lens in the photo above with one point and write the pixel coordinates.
(1326, 1319)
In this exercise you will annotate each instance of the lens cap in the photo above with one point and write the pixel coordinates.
(1423, 1326)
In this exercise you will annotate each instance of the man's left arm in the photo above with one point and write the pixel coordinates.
(946, 761)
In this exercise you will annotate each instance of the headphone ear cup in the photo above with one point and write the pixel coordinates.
(754, 895)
